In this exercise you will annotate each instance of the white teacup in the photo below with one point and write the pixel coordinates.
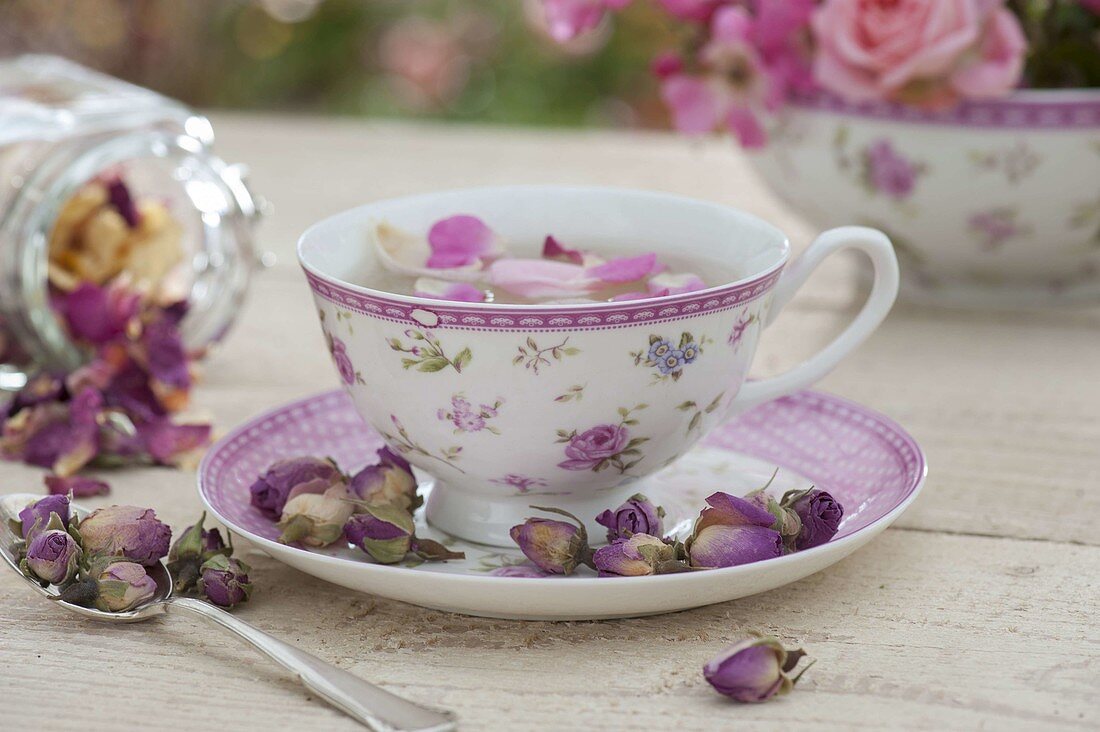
(600, 412)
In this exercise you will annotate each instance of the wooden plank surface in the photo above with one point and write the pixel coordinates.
(976, 611)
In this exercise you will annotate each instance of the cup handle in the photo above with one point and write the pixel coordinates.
(884, 290)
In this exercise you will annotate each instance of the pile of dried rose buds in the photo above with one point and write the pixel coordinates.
(316, 504)
(462, 259)
(115, 410)
(106, 255)
(729, 532)
(100, 561)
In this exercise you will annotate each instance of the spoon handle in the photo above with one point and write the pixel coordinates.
(372, 706)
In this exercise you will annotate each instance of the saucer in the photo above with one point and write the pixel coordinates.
(865, 460)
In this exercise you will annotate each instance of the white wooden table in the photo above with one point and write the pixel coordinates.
(978, 609)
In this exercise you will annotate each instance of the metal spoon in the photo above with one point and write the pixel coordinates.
(374, 707)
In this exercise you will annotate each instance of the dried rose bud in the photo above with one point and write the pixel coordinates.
(225, 581)
(123, 586)
(554, 546)
(637, 516)
(384, 532)
(125, 531)
(639, 555)
(53, 556)
(753, 670)
(389, 481)
(786, 521)
(273, 489)
(316, 519)
(820, 515)
(194, 546)
(34, 518)
(80, 486)
(732, 531)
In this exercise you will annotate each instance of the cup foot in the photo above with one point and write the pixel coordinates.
(487, 519)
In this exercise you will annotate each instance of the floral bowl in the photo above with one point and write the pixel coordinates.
(578, 401)
(990, 204)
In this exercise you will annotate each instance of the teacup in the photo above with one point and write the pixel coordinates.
(506, 406)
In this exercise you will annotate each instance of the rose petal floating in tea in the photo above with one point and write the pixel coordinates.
(552, 249)
(444, 290)
(541, 278)
(462, 241)
(674, 283)
(626, 269)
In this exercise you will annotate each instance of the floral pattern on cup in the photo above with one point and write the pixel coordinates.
(668, 358)
(604, 446)
(522, 483)
(405, 445)
(1015, 162)
(467, 417)
(737, 333)
(533, 357)
(573, 394)
(426, 352)
(879, 166)
(995, 227)
(339, 352)
(697, 418)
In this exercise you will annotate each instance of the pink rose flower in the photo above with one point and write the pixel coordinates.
(925, 52)
(567, 19)
(592, 446)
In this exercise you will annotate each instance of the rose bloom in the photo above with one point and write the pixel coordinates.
(925, 52)
(587, 449)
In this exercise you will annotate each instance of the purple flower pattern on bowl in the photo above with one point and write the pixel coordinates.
(888, 172)
(521, 483)
(469, 418)
(668, 358)
(737, 333)
(604, 446)
(995, 227)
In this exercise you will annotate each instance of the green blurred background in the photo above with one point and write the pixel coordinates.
(475, 60)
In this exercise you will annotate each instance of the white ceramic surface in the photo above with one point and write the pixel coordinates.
(989, 204)
(623, 388)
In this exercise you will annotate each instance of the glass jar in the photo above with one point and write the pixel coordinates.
(62, 126)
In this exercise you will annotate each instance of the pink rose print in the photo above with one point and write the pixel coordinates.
(603, 446)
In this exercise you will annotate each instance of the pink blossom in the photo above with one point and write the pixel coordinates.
(461, 241)
(734, 87)
(925, 52)
(567, 19)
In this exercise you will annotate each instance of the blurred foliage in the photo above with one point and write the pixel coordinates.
(483, 60)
